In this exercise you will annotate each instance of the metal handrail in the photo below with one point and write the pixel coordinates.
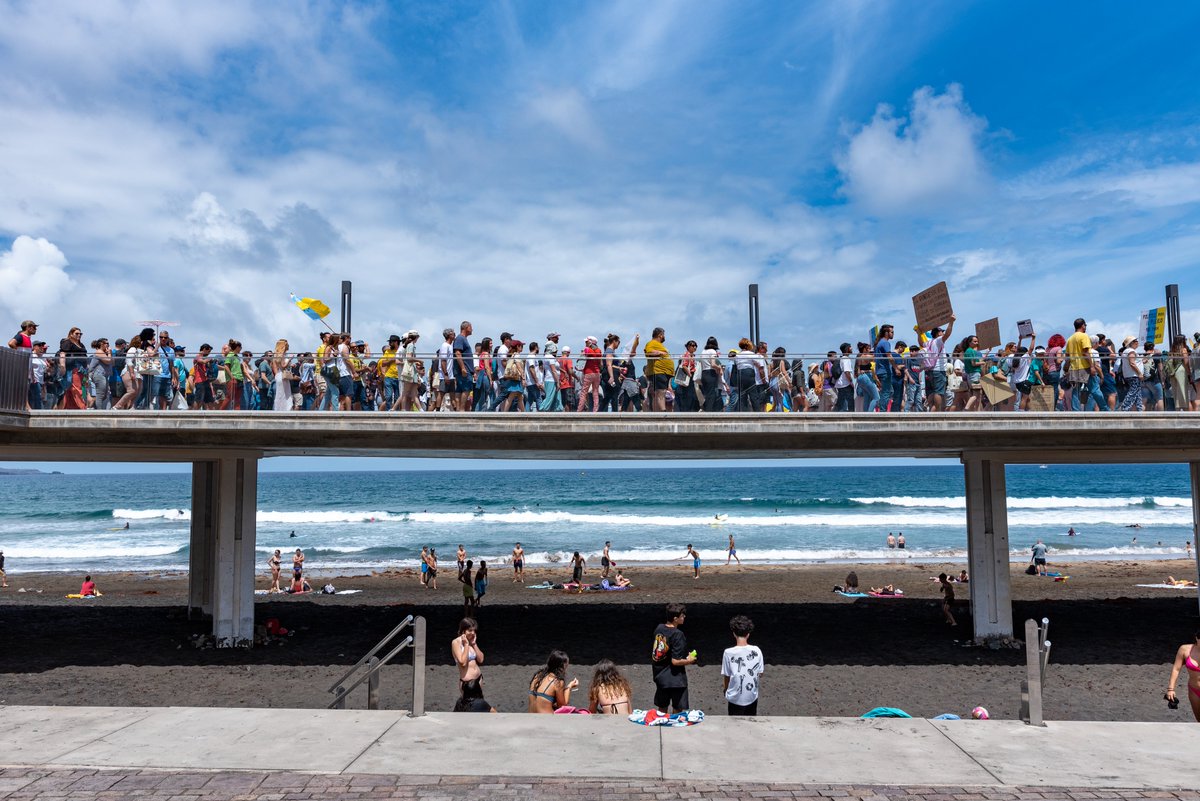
(408, 621)
(416, 641)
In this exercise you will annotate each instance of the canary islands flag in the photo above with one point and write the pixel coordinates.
(312, 307)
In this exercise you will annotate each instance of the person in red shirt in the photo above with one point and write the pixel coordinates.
(88, 587)
(590, 383)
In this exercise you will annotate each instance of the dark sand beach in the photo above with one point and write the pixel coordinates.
(826, 655)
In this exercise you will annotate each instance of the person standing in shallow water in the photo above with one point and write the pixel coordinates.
(518, 562)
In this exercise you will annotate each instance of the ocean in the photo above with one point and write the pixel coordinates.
(375, 520)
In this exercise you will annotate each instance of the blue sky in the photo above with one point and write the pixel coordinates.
(588, 167)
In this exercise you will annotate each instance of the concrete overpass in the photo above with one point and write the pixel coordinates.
(224, 449)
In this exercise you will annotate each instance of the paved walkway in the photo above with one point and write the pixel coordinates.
(36, 784)
(48, 747)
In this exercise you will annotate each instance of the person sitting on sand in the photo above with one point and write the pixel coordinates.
(851, 582)
(549, 689)
(610, 693)
(619, 580)
(299, 586)
(472, 699)
(88, 588)
(886, 590)
(963, 578)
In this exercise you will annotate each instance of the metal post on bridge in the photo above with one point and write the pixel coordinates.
(346, 302)
(1174, 326)
(755, 328)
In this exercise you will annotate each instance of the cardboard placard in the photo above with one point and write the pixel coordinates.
(1041, 398)
(1024, 328)
(988, 333)
(997, 390)
(932, 307)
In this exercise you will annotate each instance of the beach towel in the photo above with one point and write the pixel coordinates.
(571, 710)
(1167, 586)
(608, 586)
(653, 717)
(886, 712)
(545, 585)
(346, 592)
(898, 594)
(77, 595)
(845, 594)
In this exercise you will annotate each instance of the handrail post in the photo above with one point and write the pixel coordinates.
(1033, 672)
(418, 694)
(339, 700)
(373, 683)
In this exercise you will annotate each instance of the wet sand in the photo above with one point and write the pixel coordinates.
(826, 655)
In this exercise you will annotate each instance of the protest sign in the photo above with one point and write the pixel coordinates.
(1150, 327)
(1041, 398)
(996, 389)
(932, 307)
(989, 333)
(1024, 328)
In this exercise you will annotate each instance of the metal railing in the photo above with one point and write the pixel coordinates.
(1037, 654)
(374, 664)
(14, 380)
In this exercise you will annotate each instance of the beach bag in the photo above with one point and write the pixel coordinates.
(513, 370)
(682, 377)
(1031, 571)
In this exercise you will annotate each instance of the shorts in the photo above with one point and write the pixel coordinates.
(935, 382)
(661, 383)
(1078, 376)
(603, 561)
(733, 551)
(696, 563)
(346, 386)
(424, 568)
(518, 564)
(749, 709)
(448, 385)
(509, 386)
(1024, 387)
(1040, 562)
(162, 387)
(1108, 386)
(202, 392)
(465, 383)
(975, 380)
(671, 698)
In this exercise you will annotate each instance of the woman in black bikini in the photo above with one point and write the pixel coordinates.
(549, 689)
(274, 563)
(610, 693)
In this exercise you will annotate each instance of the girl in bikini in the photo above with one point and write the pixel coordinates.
(1188, 656)
(610, 693)
(466, 651)
(274, 562)
(549, 689)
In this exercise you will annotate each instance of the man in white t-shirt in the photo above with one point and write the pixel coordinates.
(844, 384)
(441, 380)
(741, 669)
(935, 367)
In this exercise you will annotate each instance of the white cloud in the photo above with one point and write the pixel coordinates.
(568, 112)
(896, 164)
(34, 276)
(980, 265)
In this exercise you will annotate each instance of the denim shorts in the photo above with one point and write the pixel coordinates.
(464, 383)
(935, 382)
(346, 386)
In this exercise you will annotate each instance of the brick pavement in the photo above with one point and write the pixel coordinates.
(38, 784)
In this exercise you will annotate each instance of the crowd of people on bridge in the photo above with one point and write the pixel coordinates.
(935, 372)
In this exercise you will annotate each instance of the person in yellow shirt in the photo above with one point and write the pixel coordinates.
(1079, 361)
(662, 368)
(389, 368)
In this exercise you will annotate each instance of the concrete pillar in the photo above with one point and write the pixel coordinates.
(987, 548)
(1196, 519)
(233, 579)
(202, 548)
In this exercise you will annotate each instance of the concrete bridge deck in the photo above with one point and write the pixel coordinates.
(225, 447)
(1007, 437)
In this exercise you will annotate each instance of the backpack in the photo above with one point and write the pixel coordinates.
(513, 370)
(835, 369)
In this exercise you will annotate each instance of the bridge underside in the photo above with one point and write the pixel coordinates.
(225, 447)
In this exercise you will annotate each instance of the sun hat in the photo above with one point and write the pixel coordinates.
(566, 350)
(590, 338)
(552, 335)
(1128, 340)
(412, 332)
